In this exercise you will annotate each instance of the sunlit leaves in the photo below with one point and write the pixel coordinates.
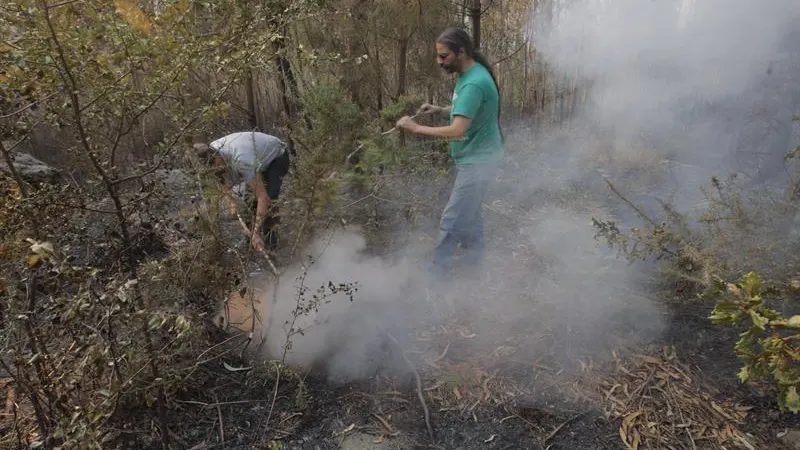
(768, 348)
(129, 10)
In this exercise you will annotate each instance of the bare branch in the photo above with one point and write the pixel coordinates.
(29, 106)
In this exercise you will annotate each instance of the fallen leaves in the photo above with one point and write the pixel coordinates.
(660, 405)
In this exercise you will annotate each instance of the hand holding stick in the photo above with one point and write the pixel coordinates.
(394, 128)
(263, 253)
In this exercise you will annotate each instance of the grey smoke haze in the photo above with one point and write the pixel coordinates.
(344, 335)
(680, 86)
(689, 77)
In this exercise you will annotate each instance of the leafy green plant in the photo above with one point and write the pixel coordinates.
(737, 231)
(769, 347)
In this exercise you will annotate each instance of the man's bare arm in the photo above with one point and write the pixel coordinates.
(442, 111)
(262, 204)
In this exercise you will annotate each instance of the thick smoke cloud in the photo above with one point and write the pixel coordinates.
(680, 91)
(707, 83)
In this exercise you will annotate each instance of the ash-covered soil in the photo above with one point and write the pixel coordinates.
(555, 344)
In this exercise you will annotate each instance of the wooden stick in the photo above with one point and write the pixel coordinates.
(419, 385)
(263, 252)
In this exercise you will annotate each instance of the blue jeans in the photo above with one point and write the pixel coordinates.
(462, 220)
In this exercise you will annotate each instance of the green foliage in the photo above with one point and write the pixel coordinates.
(96, 336)
(736, 232)
(335, 124)
(769, 347)
(334, 119)
(106, 362)
(405, 105)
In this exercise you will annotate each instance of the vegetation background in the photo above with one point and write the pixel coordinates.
(677, 151)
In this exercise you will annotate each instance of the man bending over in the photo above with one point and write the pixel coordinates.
(260, 160)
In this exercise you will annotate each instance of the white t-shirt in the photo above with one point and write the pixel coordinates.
(247, 153)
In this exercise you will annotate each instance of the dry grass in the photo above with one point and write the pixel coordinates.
(657, 400)
(17, 422)
(661, 404)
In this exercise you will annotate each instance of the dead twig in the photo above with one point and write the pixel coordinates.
(444, 353)
(560, 427)
(389, 428)
(419, 385)
(274, 399)
(221, 424)
(630, 203)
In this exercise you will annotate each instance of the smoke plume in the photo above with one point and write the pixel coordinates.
(680, 91)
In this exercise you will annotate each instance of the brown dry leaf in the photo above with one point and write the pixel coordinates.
(611, 390)
(674, 375)
(629, 418)
(134, 16)
(637, 439)
(724, 434)
(649, 359)
(10, 398)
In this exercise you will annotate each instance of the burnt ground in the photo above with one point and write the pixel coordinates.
(548, 348)
(491, 381)
(495, 401)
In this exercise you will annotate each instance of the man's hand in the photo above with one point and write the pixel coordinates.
(406, 123)
(232, 206)
(427, 108)
(257, 242)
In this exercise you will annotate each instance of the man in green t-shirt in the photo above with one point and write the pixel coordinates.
(476, 144)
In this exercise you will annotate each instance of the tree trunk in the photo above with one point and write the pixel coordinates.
(402, 58)
(475, 18)
(252, 115)
(288, 87)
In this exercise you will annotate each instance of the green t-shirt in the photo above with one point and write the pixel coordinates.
(475, 96)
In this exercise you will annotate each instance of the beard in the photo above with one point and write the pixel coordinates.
(449, 68)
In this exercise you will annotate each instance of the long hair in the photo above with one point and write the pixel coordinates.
(456, 40)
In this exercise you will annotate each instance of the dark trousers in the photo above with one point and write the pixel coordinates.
(272, 177)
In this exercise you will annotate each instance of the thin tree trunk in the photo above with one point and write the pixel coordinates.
(252, 115)
(289, 89)
(402, 59)
(475, 18)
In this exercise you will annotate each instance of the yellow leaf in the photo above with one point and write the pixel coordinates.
(33, 261)
(135, 17)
